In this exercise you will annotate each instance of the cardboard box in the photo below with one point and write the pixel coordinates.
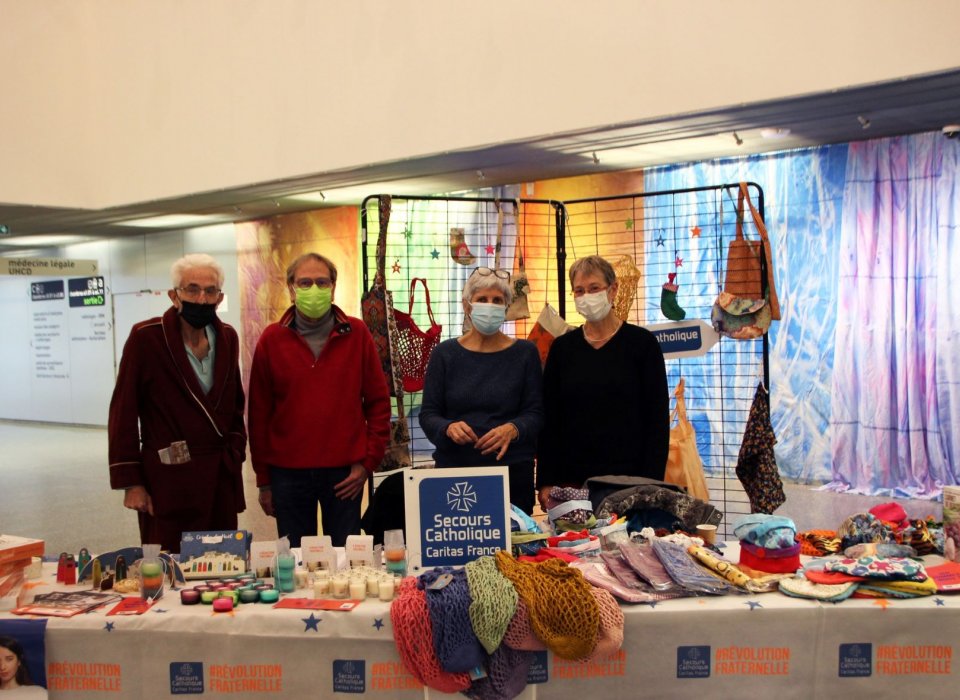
(214, 554)
(951, 522)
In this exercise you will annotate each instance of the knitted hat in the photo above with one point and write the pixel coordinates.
(458, 649)
(519, 634)
(506, 675)
(493, 601)
(413, 634)
(610, 633)
(563, 612)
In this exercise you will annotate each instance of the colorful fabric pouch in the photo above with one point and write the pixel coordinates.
(897, 589)
(767, 531)
(685, 572)
(728, 570)
(799, 587)
(883, 568)
(644, 561)
(879, 549)
(772, 561)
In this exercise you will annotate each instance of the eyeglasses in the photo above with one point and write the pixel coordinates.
(592, 289)
(306, 283)
(195, 291)
(487, 271)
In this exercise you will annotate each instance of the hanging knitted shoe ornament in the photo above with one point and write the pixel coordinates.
(459, 250)
(668, 300)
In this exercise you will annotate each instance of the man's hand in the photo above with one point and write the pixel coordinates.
(543, 495)
(498, 440)
(461, 433)
(352, 486)
(136, 498)
(266, 501)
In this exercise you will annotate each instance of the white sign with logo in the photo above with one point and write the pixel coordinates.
(454, 516)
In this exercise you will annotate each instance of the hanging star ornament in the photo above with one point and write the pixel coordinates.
(695, 232)
(678, 262)
(489, 250)
(629, 223)
(407, 231)
(311, 623)
(435, 254)
(660, 239)
(396, 266)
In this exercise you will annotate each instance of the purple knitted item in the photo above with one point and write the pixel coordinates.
(506, 675)
(457, 647)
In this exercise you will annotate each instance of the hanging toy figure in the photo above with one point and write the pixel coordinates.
(668, 300)
(459, 250)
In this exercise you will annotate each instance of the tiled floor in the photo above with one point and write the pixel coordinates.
(54, 485)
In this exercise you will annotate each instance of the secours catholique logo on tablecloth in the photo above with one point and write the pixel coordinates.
(456, 515)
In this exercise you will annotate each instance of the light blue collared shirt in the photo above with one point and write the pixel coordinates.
(204, 368)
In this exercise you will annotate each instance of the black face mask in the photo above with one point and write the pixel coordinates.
(197, 315)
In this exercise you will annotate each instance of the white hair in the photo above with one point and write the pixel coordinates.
(192, 261)
(477, 282)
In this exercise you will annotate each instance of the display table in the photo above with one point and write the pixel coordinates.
(733, 646)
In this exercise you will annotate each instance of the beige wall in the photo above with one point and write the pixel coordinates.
(107, 103)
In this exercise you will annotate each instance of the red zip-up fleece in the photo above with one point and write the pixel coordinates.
(304, 413)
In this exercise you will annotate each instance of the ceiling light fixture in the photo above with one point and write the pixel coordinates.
(173, 221)
(736, 137)
(774, 133)
(864, 122)
(596, 160)
(481, 176)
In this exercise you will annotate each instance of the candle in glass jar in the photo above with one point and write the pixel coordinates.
(386, 589)
(373, 586)
(321, 588)
(358, 589)
(338, 585)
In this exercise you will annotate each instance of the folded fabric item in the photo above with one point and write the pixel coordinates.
(897, 589)
(688, 511)
(610, 630)
(863, 527)
(457, 647)
(644, 561)
(923, 535)
(616, 565)
(828, 577)
(599, 575)
(521, 522)
(885, 568)
(773, 561)
(506, 677)
(815, 543)
(768, 531)
(561, 553)
(879, 549)
(799, 587)
(762, 581)
(721, 567)
(519, 634)
(685, 572)
(573, 536)
(601, 487)
(493, 601)
(413, 635)
(563, 613)
(946, 576)
(563, 525)
(580, 513)
(891, 512)
(527, 542)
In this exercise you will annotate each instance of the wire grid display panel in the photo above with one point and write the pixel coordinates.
(686, 233)
(442, 241)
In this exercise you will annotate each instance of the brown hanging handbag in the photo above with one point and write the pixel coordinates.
(744, 274)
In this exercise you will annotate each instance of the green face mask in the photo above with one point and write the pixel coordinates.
(314, 302)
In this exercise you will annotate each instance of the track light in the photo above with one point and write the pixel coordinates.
(736, 137)
(864, 122)
(596, 160)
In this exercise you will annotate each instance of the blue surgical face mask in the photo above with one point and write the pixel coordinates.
(487, 318)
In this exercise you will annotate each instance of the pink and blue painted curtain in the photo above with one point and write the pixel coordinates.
(896, 375)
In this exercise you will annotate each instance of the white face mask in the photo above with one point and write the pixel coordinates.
(593, 307)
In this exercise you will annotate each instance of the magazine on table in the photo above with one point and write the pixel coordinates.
(66, 604)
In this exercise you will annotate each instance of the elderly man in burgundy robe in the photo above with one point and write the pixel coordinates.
(176, 436)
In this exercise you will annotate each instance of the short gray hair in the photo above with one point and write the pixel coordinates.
(193, 261)
(592, 264)
(292, 267)
(477, 281)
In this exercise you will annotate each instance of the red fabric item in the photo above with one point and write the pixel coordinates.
(830, 577)
(330, 412)
(890, 512)
(568, 537)
(158, 399)
(773, 561)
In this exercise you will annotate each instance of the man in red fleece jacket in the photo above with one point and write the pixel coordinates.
(319, 409)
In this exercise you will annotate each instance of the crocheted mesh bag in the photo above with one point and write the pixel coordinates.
(457, 647)
(628, 275)
(563, 612)
(519, 634)
(610, 634)
(506, 676)
(413, 635)
(493, 601)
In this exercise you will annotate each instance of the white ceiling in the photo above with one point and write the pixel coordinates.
(889, 109)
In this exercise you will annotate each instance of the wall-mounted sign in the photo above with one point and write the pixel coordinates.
(47, 267)
(684, 338)
(454, 516)
(45, 291)
(86, 291)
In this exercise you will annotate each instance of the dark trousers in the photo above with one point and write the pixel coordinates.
(296, 493)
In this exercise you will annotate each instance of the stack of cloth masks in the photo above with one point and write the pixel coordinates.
(526, 538)
(570, 508)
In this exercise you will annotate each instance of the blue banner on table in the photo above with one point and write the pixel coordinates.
(456, 515)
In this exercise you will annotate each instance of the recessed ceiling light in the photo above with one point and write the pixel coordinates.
(173, 221)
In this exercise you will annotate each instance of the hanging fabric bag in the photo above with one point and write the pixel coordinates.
(684, 466)
(745, 271)
(376, 306)
(519, 308)
(414, 345)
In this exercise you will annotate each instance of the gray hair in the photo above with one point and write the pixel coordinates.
(593, 264)
(477, 282)
(193, 261)
(292, 267)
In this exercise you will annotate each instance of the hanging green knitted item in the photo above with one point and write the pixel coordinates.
(668, 300)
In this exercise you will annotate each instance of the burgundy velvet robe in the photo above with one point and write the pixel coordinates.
(158, 400)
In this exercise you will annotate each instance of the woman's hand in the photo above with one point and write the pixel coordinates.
(498, 440)
(461, 433)
(543, 495)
